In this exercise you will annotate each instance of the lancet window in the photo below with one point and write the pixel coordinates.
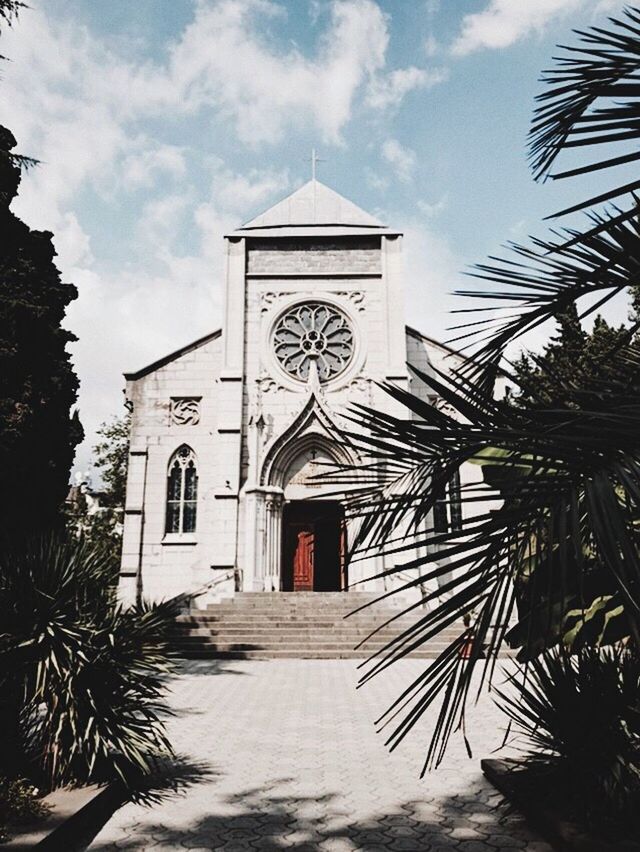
(182, 491)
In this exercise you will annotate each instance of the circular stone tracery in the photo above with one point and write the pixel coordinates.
(313, 331)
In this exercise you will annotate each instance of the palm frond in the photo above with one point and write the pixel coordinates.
(593, 98)
(547, 276)
(574, 477)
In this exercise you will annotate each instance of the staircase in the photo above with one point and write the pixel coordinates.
(302, 625)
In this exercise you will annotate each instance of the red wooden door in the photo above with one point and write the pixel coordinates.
(303, 562)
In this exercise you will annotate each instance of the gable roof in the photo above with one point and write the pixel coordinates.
(161, 362)
(312, 208)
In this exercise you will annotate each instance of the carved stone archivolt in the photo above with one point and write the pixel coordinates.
(185, 410)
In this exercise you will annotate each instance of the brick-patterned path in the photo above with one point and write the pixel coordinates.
(283, 755)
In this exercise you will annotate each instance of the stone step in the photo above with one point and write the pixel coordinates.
(206, 653)
(303, 625)
(296, 648)
(285, 629)
(286, 618)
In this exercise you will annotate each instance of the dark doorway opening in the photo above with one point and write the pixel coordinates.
(313, 547)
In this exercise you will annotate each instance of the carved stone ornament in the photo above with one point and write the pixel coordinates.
(185, 410)
(356, 297)
(445, 407)
(267, 299)
(267, 384)
(360, 386)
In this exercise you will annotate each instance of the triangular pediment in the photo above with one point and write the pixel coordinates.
(313, 204)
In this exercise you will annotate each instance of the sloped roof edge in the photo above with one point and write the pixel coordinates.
(161, 362)
(448, 349)
(313, 203)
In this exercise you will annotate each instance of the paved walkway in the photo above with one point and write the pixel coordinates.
(283, 755)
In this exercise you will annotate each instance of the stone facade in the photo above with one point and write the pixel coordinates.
(255, 432)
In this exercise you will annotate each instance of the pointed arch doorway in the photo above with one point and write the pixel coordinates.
(312, 531)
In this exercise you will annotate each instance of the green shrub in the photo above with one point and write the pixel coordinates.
(580, 719)
(19, 803)
(81, 679)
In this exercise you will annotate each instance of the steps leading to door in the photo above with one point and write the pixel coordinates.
(300, 625)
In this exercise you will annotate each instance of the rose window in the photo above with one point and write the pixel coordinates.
(313, 332)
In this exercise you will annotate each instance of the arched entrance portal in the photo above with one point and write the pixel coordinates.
(313, 528)
(305, 534)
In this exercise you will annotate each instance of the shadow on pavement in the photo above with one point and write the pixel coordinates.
(269, 822)
(211, 666)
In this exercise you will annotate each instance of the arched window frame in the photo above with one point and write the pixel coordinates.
(182, 492)
(447, 510)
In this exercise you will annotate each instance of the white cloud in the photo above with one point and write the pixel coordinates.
(432, 272)
(142, 168)
(504, 22)
(431, 46)
(375, 180)
(401, 159)
(431, 210)
(241, 193)
(389, 90)
(224, 60)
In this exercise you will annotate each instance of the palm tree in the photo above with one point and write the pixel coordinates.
(560, 554)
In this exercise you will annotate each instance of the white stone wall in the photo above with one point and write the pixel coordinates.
(172, 564)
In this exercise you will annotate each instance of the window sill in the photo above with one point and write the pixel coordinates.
(179, 538)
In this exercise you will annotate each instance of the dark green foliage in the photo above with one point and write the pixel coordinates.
(81, 680)
(111, 458)
(103, 527)
(570, 360)
(578, 718)
(38, 387)
(19, 803)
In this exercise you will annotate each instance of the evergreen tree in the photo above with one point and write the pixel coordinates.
(573, 359)
(111, 458)
(38, 386)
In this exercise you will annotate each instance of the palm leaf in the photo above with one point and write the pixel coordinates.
(576, 476)
(593, 98)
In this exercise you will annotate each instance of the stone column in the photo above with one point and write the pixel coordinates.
(230, 409)
(273, 541)
(255, 540)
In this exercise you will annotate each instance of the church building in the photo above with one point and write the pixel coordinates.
(229, 432)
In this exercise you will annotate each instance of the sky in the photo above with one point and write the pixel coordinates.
(161, 125)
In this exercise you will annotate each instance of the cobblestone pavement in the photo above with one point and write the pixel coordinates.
(283, 755)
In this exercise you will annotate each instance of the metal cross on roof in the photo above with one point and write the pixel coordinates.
(314, 161)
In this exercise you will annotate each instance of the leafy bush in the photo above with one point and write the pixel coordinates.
(81, 679)
(580, 717)
(19, 803)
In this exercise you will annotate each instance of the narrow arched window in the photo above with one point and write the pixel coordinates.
(447, 510)
(182, 491)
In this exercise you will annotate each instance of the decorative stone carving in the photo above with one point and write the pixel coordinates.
(445, 407)
(267, 384)
(356, 297)
(360, 386)
(185, 410)
(267, 299)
